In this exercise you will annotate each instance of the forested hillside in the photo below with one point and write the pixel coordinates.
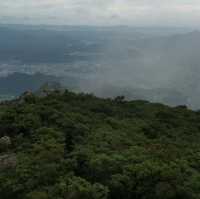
(78, 146)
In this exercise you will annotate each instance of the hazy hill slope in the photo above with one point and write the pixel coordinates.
(17, 83)
(136, 58)
(75, 146)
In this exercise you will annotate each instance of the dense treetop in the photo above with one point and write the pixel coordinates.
(71, 146)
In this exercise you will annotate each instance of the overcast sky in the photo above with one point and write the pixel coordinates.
(102, 12)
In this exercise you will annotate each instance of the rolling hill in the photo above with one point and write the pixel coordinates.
(72, 146)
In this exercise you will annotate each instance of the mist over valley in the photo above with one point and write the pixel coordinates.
(155, 64)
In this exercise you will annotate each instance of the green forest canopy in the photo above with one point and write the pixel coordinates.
(78, 146)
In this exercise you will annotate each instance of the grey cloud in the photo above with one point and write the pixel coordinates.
(102, 12)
